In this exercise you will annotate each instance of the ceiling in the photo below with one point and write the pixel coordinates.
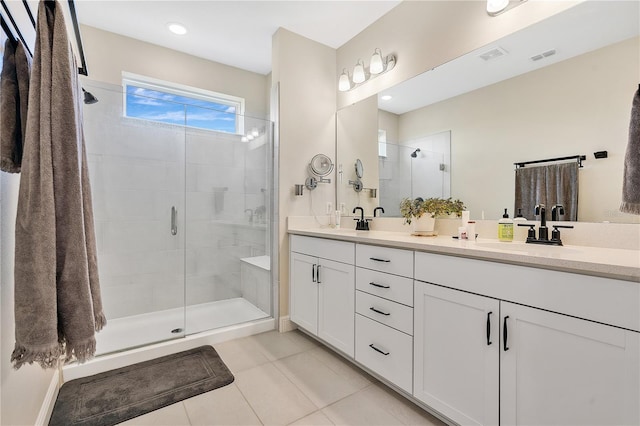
(580, 29)
(236, 33)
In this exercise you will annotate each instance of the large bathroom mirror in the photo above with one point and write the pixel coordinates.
(558, 88)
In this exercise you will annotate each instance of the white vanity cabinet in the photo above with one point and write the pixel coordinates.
(384, 313)
(553, 368)
(560, 370)
(456, 350)
(322, 290)
(480, 342)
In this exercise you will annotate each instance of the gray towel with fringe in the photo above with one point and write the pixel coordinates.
(14, 95)
(57, 295)
(631, 177)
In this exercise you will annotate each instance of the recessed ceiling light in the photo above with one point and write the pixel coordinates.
(176, 28)
(386, 97)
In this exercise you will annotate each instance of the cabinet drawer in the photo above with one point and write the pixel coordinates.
(384, 259)
(340, 251)
(391, 287)
(385, 311)
(605, 300)
(392, 357)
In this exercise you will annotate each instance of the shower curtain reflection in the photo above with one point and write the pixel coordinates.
(152, 180)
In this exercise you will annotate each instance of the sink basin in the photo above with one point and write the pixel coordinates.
(536, 249)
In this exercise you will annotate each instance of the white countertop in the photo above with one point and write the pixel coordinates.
(603, 262)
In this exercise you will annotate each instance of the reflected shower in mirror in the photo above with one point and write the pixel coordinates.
(419, 169)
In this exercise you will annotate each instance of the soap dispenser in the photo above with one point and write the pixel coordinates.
(505, 228)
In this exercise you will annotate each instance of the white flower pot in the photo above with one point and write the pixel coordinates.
(424, 225)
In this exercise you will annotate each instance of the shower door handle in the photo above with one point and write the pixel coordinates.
(174, 220)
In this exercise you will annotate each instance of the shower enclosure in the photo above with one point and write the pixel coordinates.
(183, 219)
(418, 168)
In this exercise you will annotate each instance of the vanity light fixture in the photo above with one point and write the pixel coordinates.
(496, 7)
(379, 65)
(376, 66)
(344, 83)
(176, 28)
(359, 75)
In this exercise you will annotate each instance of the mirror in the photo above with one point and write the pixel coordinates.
(320, 166)
(359, 169)
(559, 88)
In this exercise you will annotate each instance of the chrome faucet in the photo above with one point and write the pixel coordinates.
(362, 225)
(543, 236)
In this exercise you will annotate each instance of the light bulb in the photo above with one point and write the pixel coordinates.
(376, 66)
(496, 6)
(244, 139)
(344, 84)
(386, 97)
(249, 137)
(358, 72)
(255, 133)
(176, 28)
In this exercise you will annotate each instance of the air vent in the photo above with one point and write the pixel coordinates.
(493, 54)
(544, 55)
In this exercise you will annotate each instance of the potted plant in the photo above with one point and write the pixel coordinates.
(422, 213)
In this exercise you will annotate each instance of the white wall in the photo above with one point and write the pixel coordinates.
(577, 106)
(22, 391)
(305, 71)
(109, 54)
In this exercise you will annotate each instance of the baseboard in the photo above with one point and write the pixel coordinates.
(285, 324)
(49, 401)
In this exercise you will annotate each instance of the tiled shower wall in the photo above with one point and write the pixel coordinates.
(139, 170)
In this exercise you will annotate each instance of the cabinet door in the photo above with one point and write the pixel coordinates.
(336, 293)
(456, 353)
(304, 291)
(560, 370)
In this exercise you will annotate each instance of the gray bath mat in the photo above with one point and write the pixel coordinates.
(115, 396)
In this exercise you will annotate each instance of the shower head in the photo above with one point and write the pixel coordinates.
(89, 98)
(414, 154)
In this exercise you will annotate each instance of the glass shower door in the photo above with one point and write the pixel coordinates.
(228, 224)
(137, 171)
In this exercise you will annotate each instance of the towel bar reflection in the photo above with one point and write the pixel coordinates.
(174, 220)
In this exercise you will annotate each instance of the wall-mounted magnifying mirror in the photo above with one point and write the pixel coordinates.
(320, 166)
(359, 168)
(357, 183)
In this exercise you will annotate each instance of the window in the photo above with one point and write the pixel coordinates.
(155, 100)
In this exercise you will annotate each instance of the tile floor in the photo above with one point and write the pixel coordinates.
(290, 379)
